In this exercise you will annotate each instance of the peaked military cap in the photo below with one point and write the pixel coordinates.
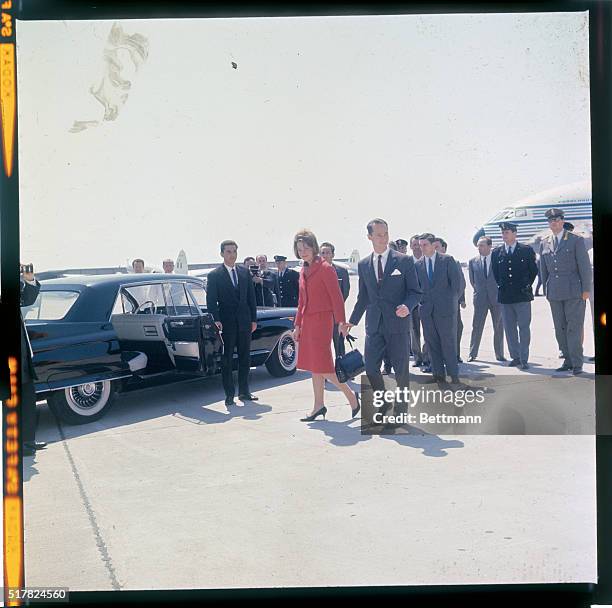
(280, 258)
(554, 214)
(401, 242)
(508, 226)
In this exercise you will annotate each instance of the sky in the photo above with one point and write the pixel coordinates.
(433, 122)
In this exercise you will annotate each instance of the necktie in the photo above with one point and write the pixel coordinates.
(430, 270)
(234, 277)
(556, 240)
(510, 250)
(484, 261)
(380, 270)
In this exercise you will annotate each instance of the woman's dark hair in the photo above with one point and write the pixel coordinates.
(308, 238)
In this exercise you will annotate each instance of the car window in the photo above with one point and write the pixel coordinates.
(182, 305)
(144, 295)
(199, 296)
(50, 305)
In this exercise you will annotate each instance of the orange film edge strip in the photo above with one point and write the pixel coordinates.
(8, 103)
(13, 502)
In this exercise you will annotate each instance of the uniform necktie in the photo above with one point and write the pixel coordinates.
(510, 250)
(556, 241)
(380, 270)
(484, 261)
(430, 270)
(234, 277)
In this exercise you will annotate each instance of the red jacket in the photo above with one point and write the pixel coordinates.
(319, 291)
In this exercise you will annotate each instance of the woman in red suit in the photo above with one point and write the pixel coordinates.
(320, 303)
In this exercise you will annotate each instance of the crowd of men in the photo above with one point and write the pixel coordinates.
(501, 280)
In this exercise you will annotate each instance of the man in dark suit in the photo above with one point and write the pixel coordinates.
(438, 274)
(514, 268)
(328, 252)
(388, 292)
(29, 290)
(485, 300)
(265, 283)
(230, 299)
(421, 358)
(288, 284)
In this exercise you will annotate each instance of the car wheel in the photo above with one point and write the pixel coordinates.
(283, 359)
(83, 403)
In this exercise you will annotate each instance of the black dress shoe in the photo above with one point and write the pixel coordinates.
(35, 445)
(471, 359)
(514, 363)
(320, 412)
(577, 371)
(417, 364)
(525, 365)
(355, 411)
(459, 359)
(248, 397)
(229, 401)
(26, 451)
(501, 358)
(566, 367)
(426, 368)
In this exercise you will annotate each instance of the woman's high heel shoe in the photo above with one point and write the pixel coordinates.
(356, 410)
(321, 410)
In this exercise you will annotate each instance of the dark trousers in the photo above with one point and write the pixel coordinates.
(459, 329)
(241, 341)
(415, 334)
(28, 411)
(397, 348)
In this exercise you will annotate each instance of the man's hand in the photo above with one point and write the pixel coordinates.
(28, 276)
(258, 280)
(253, 326)
(585, 295)
(463, 305)
(296, 333)
(402, 311)
(219, 325)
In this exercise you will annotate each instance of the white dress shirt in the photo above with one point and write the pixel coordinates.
(385, 257)
(433, 262)
(229, 270)
(488, 259)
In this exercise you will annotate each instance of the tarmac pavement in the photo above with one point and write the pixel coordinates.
(170, 490)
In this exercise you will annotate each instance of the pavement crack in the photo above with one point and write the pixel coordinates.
(101, 545)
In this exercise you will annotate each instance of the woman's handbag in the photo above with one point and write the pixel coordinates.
(351, 364)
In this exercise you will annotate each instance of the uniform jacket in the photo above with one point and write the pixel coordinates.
(514, 273)
(399, 286)
(343, 280)
(319, 292)
(235, 308)
(566, 272)
(442, 296)
(287, 288)
(485, 290)
(264, 292)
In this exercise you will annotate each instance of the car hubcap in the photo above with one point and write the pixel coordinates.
(287, 352)
(88, 398)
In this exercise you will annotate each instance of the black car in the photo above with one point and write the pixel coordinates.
(92, 336)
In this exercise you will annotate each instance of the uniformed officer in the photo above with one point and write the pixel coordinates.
(265, 283)
(402, 245)
(514, 268)
(567, 278)
(287, 284)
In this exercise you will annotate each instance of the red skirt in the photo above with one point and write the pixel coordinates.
(315, 343)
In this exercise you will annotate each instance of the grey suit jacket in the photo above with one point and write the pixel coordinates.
(441, 297)
(485, 290)
(399, 286)
(566, 272)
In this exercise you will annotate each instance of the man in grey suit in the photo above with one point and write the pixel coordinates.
(438, 275)
(388, 293)
(567, 277)
(441, 246)
(485, 300)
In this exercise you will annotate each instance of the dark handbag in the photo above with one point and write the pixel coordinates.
(351, 364)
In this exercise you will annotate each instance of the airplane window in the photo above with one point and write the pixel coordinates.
(509, 214)
(520, 212)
